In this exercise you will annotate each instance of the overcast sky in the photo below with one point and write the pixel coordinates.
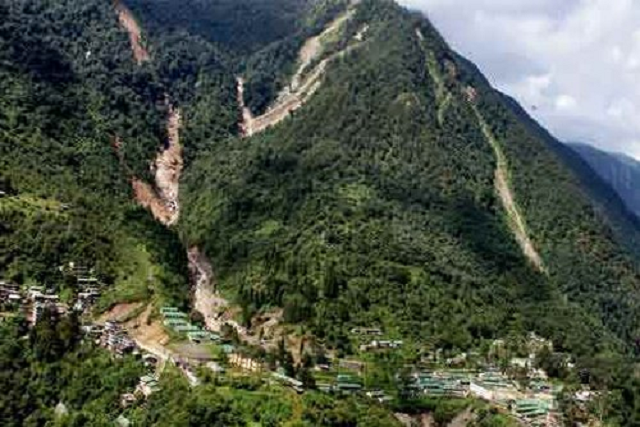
(573, 64)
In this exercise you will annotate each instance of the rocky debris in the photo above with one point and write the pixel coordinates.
(515, 218)
(304, 83)
(129, 23)
(168, 169)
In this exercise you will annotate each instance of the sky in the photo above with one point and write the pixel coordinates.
(573, 64)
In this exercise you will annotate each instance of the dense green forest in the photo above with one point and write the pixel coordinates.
(374, 204)
(343, 223)
(70, 86)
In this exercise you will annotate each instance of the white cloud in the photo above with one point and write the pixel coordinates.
(565, 103)
(575, 61)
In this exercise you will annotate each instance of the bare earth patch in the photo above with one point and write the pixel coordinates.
(129, 23)
(120, 312)
(304, 83)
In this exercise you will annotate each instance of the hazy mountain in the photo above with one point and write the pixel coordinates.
(622, 172)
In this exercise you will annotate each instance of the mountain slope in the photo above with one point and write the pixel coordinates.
(375, 203)
(620, 171)
(70, 92)
(363, 174)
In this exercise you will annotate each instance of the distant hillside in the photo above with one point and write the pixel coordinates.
(622, 172)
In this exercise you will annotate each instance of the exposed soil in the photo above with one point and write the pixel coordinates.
(162, 198)
(246, 115)
(304, 82)
(463, 419)
(147, 197)
(168, 168)
(206, 300)
(517, 223)
(515, 218)
(149, 335)
(128, 22)
(120, 312)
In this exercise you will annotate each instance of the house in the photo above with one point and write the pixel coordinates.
(128, 399)
(228, 348)
(480, 391)
(148, 385)
(175, 315)
(7, 288)
(245, 363)
(215, 367)
(493, 387)
(532, 410)
(381, 345)
(367, 331)
(378, 395)
(291, 382)
(14, 298)
(122, 421)
(172, 323)
(352, 365)
(165, 310)
(38, 308)
(116, 340)
(85, 282)
(35, 293)
(325, 387)
(198, 337)
(347, 384)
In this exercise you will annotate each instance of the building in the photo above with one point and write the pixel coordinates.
(117, 340)
(352, 365)
(381, 345)
(493, 388)
(367, 331)
(245, 363)
(532, 411)
(288, 381)
(198, 337)
(165, 310)
(148, 385)
(128, 399)
(442, 385)
(378, 395)
(347, 384)
(175, 315)
(39, 307)
(215, 367)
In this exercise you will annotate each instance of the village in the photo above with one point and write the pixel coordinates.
(517, 389)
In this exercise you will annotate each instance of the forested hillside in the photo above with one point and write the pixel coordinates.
(70, 89)
(620, 171)
(376, 204)
(391, 187)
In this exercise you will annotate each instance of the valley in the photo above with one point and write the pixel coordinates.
(306, 213)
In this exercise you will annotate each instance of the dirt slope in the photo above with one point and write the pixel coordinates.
(515, 218)
(129, 23)
(304, 83)
(168, 168)
(206, 300)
